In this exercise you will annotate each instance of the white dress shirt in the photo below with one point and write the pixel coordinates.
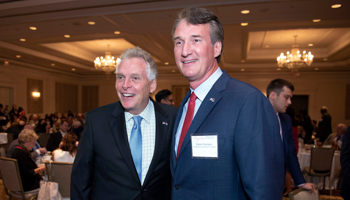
(201, 92)
(148, 132)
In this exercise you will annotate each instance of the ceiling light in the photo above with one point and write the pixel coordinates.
(18, 56)
(245, 11)
(267, 46)
(73, 69)
(173, 70)
(310, 45)
(278, 69)
(316, 20)
(91, 23)
(67, 36)
(316, 68)
(242, 70)
(166, 63)
(52, 64)
(6, 62)
(295, 59)
(244, 24)
(107, 64)
(33, 28)
(325, 59)
(117, 32)
(242, 61)
(336, 5)
(22, 40)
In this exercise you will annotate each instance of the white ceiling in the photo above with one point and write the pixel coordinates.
(254, 48)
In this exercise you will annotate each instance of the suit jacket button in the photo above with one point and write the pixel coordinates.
(177, 187)
(144, 190)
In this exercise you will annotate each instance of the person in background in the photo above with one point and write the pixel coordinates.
(324, 125)
(165, 96)
(244, 160)
(280, 92)
(306, 124)
(16, 128)
(30, 172)
(345, 165)
(56, 138)
(124, 150)
(13, 114)
(67, 149)
(21, 112)
(336, 137)
(77, 128)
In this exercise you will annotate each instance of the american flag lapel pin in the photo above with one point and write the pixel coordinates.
(212, 99)
(166, 124)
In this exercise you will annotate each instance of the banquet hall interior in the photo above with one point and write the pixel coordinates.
(48, 50)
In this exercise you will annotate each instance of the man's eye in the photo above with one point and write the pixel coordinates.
(177, 43)
(196, 40)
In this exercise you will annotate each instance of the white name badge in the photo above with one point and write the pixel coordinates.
(204, 146)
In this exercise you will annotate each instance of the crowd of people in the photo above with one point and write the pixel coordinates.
(64, 133)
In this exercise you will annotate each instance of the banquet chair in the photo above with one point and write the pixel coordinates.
(302, 194)
(9, 140)
(321, 164)
(60, 172)
(11, 179)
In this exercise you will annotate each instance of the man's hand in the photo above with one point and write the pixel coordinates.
(309, 186)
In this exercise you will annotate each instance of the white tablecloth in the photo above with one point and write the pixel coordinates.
(304, 161)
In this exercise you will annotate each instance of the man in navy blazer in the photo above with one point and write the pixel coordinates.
(279, 92)
(105, 165)
(232, 148)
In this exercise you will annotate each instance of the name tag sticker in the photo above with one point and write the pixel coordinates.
(204, 146)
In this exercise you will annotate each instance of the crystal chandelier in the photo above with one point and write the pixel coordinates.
(107, 64)
(295, 59)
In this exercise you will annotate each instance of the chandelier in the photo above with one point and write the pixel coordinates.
(107, 64)
(295, 59)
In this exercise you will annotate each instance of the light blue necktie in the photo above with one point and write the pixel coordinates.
(136, 144)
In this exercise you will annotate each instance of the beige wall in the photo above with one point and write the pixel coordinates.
(323, 88)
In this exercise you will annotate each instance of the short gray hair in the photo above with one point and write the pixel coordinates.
(137, 52)
(27, 135)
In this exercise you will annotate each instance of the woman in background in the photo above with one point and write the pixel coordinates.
(67, 149)
(30, 172)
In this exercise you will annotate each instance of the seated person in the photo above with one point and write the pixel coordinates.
(30, 172)
(67, 149)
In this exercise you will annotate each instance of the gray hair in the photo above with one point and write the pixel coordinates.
(137, 52)
(195, 16)
(27, 135)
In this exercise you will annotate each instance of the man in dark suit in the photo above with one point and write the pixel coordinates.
(232, 148)
(324, 125)
(345, 165)
(56, 138)
(107, 164)
(279, 93)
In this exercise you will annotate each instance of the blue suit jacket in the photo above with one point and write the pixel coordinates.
(290, 152)
(250, 162)
(103, 167)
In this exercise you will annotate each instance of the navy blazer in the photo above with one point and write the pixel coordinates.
(290, 152)
(250, 162)
(104, 168)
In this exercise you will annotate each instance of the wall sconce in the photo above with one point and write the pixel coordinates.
(36, 94)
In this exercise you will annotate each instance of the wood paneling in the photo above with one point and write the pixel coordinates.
(89, 97)
(66, 97)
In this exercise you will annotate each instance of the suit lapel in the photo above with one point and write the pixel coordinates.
(162, 129)
(209, 102)
(118, 129)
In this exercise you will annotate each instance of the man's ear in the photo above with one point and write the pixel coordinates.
(272, 95)
(153, 86)
(162, 101)
(217, 48)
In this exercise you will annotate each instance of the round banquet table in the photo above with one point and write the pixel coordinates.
(304, 161)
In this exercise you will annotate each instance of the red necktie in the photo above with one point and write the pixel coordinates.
(188, 121)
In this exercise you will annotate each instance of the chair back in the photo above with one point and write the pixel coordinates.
(11, 176)
(321, 159)
(43, 139)
(301, 194)
(60, 172)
